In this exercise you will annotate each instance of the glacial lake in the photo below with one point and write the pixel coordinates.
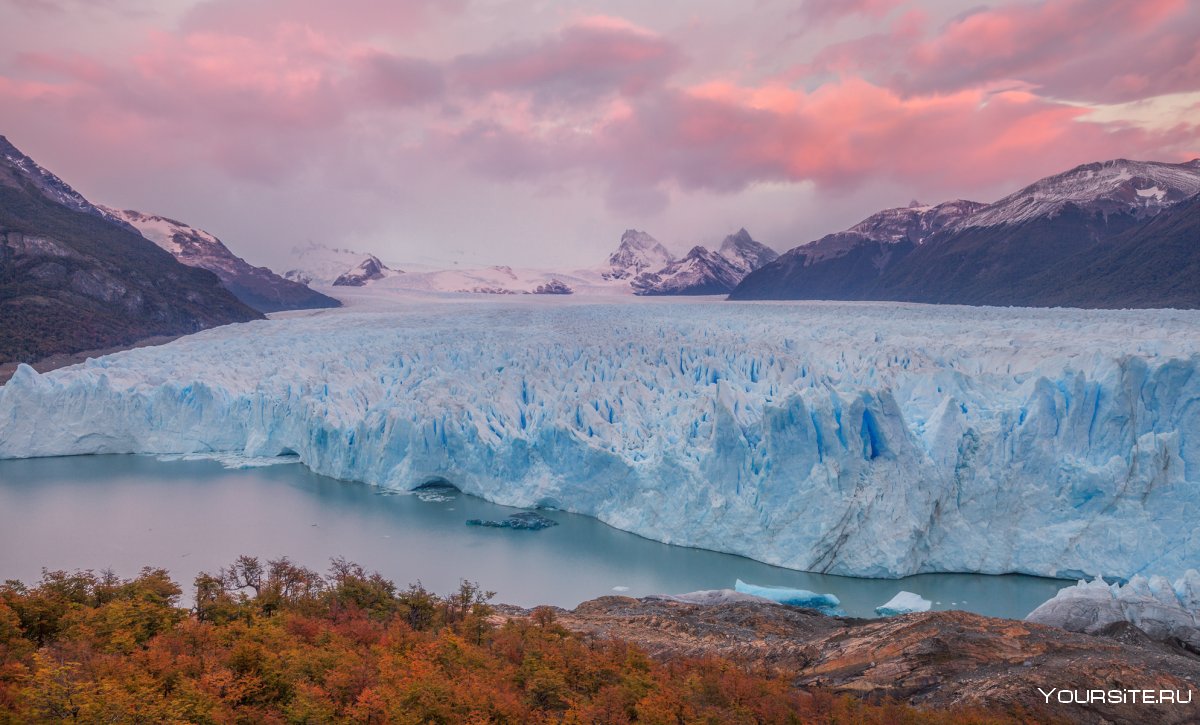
(125, 512)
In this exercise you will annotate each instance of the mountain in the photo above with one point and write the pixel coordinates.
(746, 254)
(847, 265)
(700, 272)
(257, 287)
(1121, 187)
(1156, 264)
(1078, 227)
(997, 255)
(553, 287)
(705, 272)
(368, 270)
(638, 252)
(316, 263)
(73, 278)
(18, 170)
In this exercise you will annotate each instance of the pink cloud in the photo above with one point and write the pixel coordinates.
(724, 138)
(1089, 50)
(592, 57)
(727, 138)
(340, 18)
(385, 79)
(600, 101)
(67, 65)
(820, 12)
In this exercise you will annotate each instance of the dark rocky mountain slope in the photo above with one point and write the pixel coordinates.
(848, 265)
(1088, 237)
(73, 278)
(257, 287)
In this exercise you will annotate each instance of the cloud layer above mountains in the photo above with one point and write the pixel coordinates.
(535, 131)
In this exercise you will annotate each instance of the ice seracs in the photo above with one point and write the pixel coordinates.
(860, 439)
(1164, 611)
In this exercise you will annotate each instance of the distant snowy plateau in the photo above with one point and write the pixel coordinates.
(863, 439)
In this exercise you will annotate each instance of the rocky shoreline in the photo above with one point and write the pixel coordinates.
(928, 659)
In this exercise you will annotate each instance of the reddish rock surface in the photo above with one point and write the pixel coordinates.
(930, 659)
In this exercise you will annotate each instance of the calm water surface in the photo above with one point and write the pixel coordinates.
(125, 512)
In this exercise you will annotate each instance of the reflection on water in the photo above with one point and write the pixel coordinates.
(126, 512)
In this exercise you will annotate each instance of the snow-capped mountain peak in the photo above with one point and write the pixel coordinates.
(367, 270)
(1119, 186)
(913, 223)
(258, 287)
(638, 252)
(745, 253)
(700, 271)
(316, 263)
(188, 244)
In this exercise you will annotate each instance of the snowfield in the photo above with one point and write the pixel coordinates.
(862, 439)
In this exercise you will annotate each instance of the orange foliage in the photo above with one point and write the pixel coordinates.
(279, 643)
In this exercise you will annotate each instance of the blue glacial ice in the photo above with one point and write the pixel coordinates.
(825, 603)
(874, 440)
(903, 603)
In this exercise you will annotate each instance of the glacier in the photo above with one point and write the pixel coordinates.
(863, 439)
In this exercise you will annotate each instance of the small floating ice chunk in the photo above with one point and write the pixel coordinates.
(904, 603)
(824, 603)
(525, 521)
(620, 588)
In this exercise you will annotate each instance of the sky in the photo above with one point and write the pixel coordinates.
(533, 133)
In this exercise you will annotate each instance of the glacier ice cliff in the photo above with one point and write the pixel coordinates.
(861, 439)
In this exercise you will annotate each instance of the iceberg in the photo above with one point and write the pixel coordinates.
(824, 603)
(861, 439)
(1162, 610)
(904, 603)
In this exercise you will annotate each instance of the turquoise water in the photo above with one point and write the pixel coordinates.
(125, 512)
